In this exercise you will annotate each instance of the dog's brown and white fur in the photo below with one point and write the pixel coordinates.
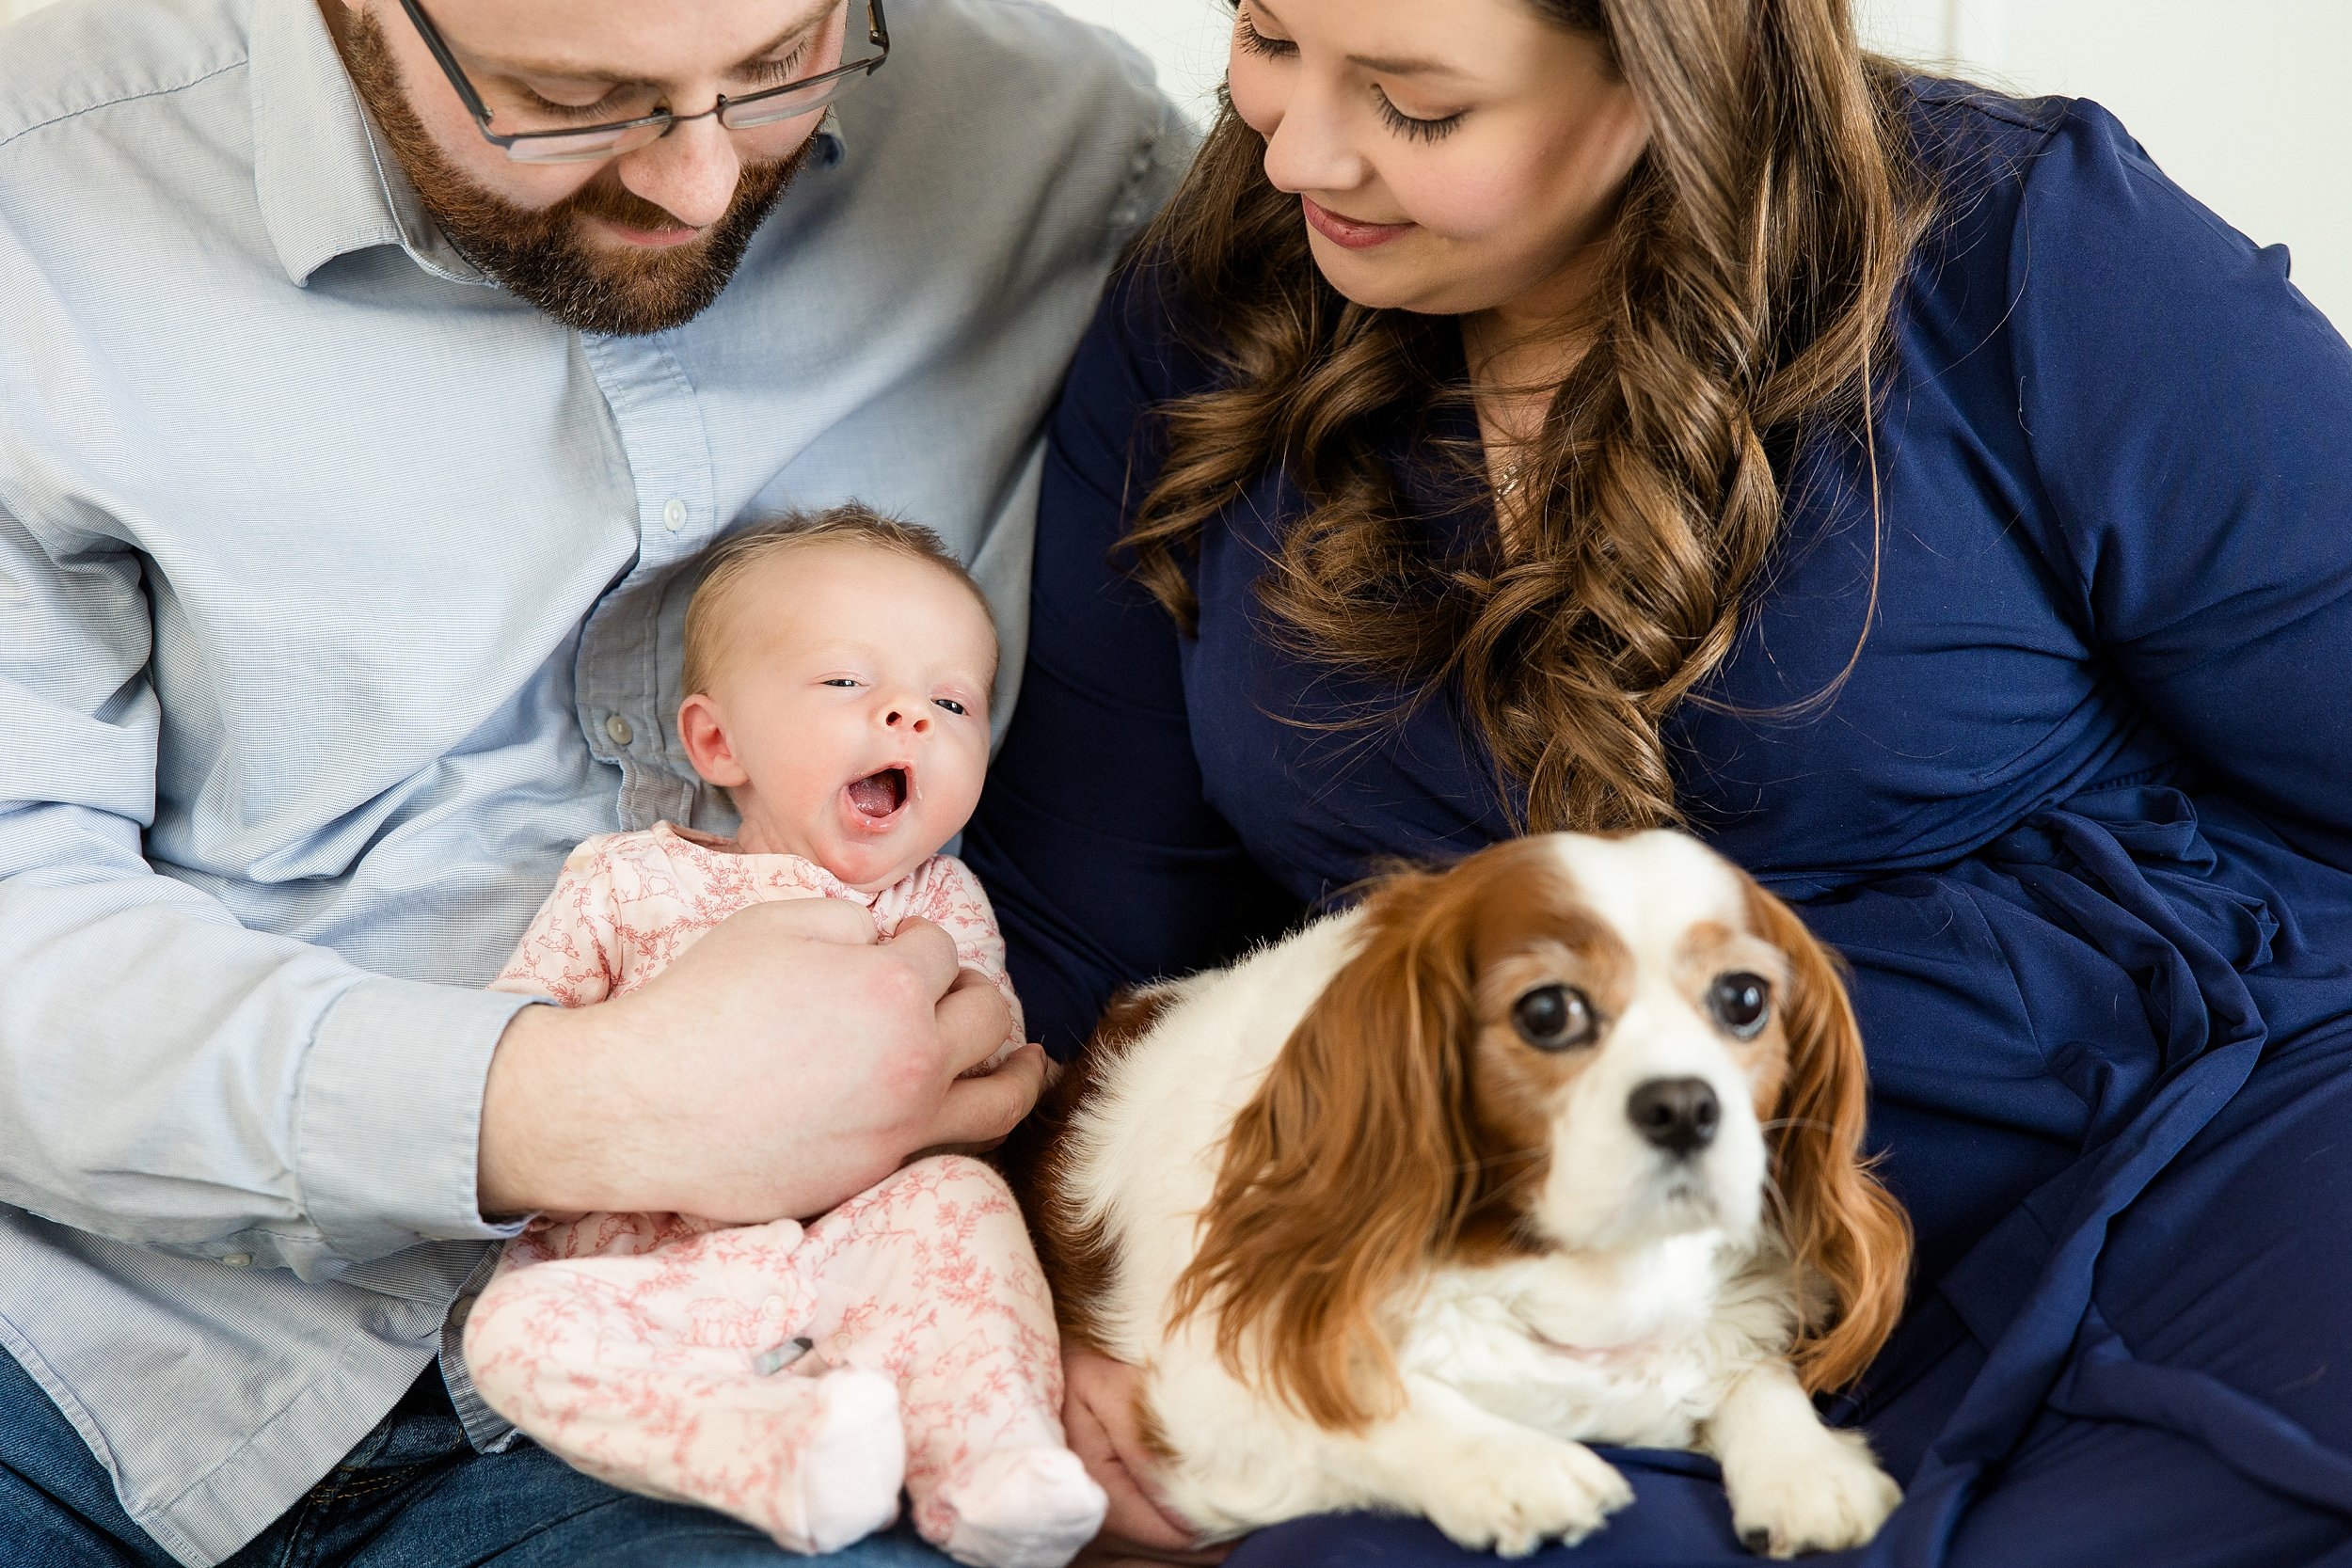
(1402, 1211)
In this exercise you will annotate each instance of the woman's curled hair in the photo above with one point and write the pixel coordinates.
(1744, 294)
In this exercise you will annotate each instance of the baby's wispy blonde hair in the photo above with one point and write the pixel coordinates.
(726, 563)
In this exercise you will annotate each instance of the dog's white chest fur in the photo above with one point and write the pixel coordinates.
(1621, 1350)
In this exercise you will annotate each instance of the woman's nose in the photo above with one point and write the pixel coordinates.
(1308, 148)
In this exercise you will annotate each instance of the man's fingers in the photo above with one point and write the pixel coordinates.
(812, 920)
(982, 1110)
(973, 1021)
(928, 950)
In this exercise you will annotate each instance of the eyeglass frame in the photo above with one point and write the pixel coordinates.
(877, 34)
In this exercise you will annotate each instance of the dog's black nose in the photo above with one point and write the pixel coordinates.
(1677, 1115)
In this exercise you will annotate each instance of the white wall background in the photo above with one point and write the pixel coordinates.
(2241, 100)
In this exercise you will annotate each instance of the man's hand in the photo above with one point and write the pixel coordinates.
(1098, 1413)
(784, 1063)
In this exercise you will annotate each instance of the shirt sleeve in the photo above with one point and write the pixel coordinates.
(952, 899)
(571, 954)
(2190, 418)
(168, 1077)
(1109, 866)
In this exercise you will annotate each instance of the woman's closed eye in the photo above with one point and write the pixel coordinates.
(1414, 126)
(1246, 33)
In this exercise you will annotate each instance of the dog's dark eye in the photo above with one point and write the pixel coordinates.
(1553, 1018)
(1740, 1004)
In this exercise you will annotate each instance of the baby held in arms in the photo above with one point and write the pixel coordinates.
(796, 1375)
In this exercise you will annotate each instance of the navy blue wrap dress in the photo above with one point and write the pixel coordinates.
(2079, 819)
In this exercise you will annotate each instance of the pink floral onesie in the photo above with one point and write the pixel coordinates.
(793, 1376)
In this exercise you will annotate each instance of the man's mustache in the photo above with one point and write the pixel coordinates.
(606, 197)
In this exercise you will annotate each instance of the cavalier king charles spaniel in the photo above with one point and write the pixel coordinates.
(1560, 1146)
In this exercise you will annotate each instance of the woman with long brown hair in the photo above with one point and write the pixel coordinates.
(1600, 414)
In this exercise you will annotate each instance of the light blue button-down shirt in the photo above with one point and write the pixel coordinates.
(336, 605)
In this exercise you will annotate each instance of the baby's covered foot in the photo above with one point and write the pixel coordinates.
(1016, 1507)
(849, 1460)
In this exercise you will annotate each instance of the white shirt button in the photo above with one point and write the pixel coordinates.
(772, 1307)
(238, 1260)
(618, 727)
(674, 514)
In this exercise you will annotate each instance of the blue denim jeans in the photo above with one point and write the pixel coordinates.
(413, 1494)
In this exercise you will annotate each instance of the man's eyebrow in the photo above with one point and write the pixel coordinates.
(573, 74)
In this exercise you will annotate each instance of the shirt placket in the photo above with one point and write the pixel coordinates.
(618, 673)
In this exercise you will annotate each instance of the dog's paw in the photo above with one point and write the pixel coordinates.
(1810, 1496)
(1514, 1494)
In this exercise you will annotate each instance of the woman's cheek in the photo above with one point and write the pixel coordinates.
(1257, 95)
(1462, 196)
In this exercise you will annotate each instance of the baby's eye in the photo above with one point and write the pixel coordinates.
(839, 680)
(950, 705)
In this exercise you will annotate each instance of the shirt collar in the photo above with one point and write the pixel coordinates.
(327, 182)
(315, 169)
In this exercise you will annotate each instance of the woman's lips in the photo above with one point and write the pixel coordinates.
(1347, 231)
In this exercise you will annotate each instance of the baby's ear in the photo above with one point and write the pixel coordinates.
(702, 731)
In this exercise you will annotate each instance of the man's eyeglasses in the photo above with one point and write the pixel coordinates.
(610, 139)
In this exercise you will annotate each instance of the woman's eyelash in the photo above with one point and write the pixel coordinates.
(1408, 125)
(1257, 43)
(1246, 34)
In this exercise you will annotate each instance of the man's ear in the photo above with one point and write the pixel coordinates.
(703, 732)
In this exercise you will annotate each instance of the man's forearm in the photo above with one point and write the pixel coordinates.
(170, 1079)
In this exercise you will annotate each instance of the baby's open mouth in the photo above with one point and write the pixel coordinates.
(880, 794)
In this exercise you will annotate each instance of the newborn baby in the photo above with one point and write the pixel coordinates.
(795, 1376)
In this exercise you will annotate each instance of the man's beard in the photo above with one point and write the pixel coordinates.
(540, 254)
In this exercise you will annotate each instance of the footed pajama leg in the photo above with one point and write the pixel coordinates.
(644, 1369)
(929, 1278)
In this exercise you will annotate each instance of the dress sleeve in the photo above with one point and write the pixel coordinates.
(1109, 866)
(2190, 417)
(571, 952)
(952, 899)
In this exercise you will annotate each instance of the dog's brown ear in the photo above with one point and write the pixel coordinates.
(1349, 1166)
(1844, 1228)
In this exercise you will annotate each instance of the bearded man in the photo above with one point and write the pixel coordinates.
(366, 370)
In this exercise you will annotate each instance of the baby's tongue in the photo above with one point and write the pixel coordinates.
(874, 796)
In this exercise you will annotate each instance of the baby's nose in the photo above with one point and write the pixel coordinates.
(906, 716)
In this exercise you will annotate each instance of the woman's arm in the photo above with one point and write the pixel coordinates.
(2190, 417)
(1106, 863)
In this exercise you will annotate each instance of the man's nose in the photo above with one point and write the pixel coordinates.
(690, 173)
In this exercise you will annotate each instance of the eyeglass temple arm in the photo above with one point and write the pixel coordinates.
(448, 62)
